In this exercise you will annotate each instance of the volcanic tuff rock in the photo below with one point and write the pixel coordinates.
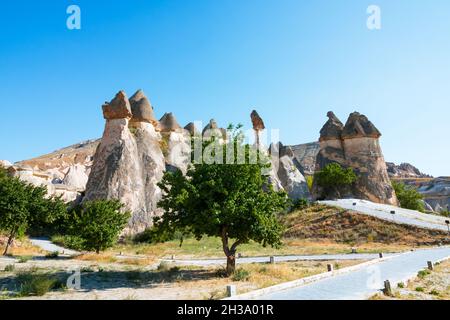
(127, 166)
(118, 108)
(356, 145)
(191, 129)
(5, 164)
(142, 109)
(176, 144)
(404, 170)
(284, 174)
(213, 130)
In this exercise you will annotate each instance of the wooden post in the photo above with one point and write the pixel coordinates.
(387, 288)
(173, 257)
(239, 255)
(354, 250)
(231, 291)
(381, 255)
(272, 260)
(330, 267)
(430, 265)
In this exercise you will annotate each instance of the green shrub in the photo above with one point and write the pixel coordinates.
(408, 197)
(334, 179)
(35, 284)
(241, 275)
(420, 289)
(98, 223)
(52, 255)
(423, 273)
(434, 292)
(10, 268)
(67, 241)
(300, 204)
(310, 182)
(25, 259)
(401, 285)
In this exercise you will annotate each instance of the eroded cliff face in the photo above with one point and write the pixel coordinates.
(356, 145)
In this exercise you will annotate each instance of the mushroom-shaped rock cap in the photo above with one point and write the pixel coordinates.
(141, 108)
(332, 129)
(258, 123)
(118, 108)
(190, 127)
(358, 126)
(168, 123)
(212, 125)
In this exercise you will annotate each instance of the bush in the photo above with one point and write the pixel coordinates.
(35, 284)
(98, 224)
(334, 179)
(310, 182)
(408, 197)
(420, 289)
(241, 275)
(10, 268)
(423, 273)
(300, 204)
(67, 241)
(25, 259)
(52, 255)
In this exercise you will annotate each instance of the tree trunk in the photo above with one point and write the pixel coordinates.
(229, 252)
(10, 240)
(231, 265)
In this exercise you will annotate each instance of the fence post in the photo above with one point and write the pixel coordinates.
(231, 291)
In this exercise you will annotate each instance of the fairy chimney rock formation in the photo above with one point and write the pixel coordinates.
(176, 144)
(127, 166)
(142, 109)
(168, 123)
(191, 129)
(118, 108)
(356, 145)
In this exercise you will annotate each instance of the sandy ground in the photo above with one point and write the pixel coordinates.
(114, 281)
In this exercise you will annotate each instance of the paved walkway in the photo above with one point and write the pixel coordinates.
(46, 245)
(383, 211)
(322, 257)
(363, 282)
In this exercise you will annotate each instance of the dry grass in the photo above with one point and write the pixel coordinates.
(320, 222)
(433, 285)
(102, 257)
(21, 247)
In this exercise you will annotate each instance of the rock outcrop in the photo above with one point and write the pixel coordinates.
(141, 109)
(435, 192)
(404, 171)
(284, 174)
(212, 130)
(306, 155)
(356, 145)
(5, 164)
(127, 166)
(176, 144)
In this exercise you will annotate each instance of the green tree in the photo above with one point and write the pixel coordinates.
(230, 201)
(408, 197)
(22, 205)
(334, 179)
(98, 223)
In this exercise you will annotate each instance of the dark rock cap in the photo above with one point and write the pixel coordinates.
(141, 108)
(212, 125)
(118, 108)
(258, 123)
(190, 127)
(359, 126)
(332, 129)
(168, 123)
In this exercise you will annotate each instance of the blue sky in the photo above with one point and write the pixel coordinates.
(291, 60)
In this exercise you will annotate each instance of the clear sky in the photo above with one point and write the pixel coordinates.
(291, 60)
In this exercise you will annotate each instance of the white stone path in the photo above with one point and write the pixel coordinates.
(360, 283)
